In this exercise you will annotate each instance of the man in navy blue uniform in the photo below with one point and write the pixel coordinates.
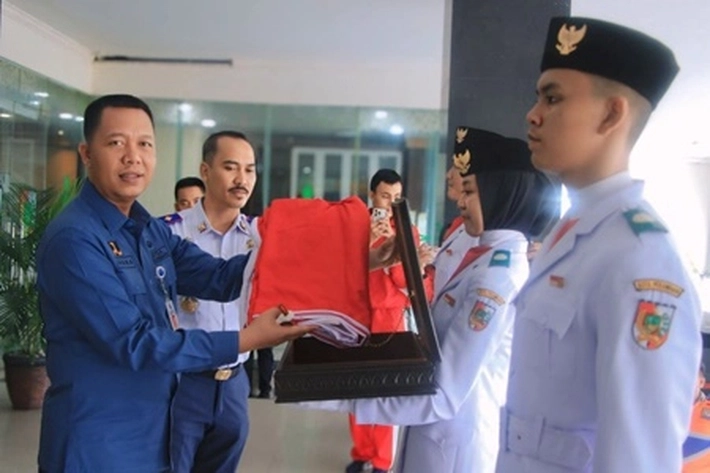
(108, 279)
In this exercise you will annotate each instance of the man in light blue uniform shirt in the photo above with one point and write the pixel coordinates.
(210, 415)
(108, 275)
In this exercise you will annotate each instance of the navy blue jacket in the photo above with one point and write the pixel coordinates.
(112, 356)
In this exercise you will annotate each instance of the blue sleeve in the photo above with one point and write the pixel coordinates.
(81, 291)
(200, 274)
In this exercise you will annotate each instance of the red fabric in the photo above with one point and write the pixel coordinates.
(456, 223)
(313, 255)
(564, 228)
(373, 443)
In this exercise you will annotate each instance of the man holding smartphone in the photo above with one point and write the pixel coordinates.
(389, 301)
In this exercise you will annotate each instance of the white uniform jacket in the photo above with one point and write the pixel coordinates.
(192, 224)
(450, 255)
(456, 430)
(606, 345)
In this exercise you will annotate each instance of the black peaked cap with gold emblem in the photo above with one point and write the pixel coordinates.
(478, 151)
(612, 51)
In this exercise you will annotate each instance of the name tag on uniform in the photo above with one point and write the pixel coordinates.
(126, 261)
(449, 299)
(160, 253)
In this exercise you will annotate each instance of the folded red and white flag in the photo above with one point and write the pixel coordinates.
(313, 259)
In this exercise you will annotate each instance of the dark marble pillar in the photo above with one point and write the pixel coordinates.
(492, 57)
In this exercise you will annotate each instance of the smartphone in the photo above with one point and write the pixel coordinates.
(379, 214)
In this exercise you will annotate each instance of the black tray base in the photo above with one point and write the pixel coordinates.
(389, 364)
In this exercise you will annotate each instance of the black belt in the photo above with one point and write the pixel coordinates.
(223, 374)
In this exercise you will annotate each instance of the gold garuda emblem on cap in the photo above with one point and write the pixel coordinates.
(461, 134)
(462, 161)
(569, 37)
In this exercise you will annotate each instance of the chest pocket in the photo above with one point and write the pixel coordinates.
(161, 257)
(132, 280)
(546, 336)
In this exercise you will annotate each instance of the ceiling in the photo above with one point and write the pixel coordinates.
(325, 30)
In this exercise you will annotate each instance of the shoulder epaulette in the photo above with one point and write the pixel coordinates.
(171, 218)
(641, 221)
(500, 258)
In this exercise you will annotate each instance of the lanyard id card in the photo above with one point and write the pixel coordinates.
(169, 306)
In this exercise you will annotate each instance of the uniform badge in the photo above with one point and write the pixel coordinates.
(500, 258)
(462, 161)
(658, 285)
(641, 221)
(481, 315)
(115, 249)
(189, 304)
(202, 227)
(242, 225)
(461, 133)
(557, 281)
(250, 244)
(449, 299)
(568, 37)
(172, 218)
(652, 324)
(492, 295)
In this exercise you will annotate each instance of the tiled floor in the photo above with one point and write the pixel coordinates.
(283, 439)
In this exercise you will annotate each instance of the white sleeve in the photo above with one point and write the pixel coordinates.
(474, 335)
(648, 354)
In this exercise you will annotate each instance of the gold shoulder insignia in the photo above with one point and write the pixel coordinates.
(462, 161)
(492, 295)
(569, 37)
(658, 285)
(461, 133)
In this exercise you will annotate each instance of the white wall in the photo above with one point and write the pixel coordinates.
(679, 130)
(406, 84)
(37, 46)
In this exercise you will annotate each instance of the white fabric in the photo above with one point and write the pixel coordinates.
(334, 328)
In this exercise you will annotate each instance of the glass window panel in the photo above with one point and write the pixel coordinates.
(305, 186)
(333, 177)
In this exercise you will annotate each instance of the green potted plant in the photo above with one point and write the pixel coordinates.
(25, 213)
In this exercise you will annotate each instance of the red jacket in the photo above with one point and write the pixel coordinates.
(388, 295)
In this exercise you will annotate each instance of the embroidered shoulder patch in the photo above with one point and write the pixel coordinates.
(652, 324)
(500, 258)
(481, 315)
(641, 221)
(172, 218)
(658, 285)
(488, 294)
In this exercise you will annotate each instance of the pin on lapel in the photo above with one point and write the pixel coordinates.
(557, 281)
(115, 249)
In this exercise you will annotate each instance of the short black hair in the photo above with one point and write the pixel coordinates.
(209, 147)
(188, 182)
(93, 112)
(388, 176)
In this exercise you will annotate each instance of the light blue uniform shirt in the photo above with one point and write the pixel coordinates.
(213, 316)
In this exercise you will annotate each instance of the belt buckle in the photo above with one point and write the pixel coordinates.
(223, 374)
